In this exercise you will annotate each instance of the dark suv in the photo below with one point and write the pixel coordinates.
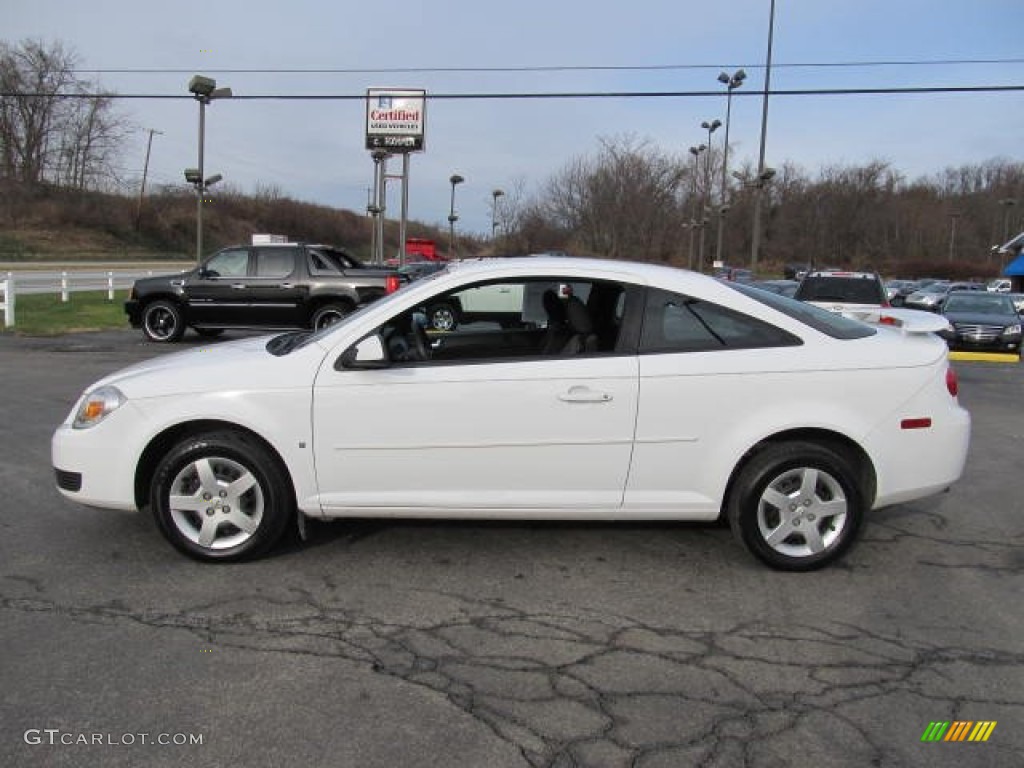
(272, 287)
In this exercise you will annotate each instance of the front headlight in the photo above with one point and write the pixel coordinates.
(1012, 330)
(96, 406)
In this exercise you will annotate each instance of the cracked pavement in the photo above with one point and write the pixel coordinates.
(397, 643)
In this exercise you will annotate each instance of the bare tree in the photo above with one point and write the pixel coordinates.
(52, 126)
(625, 203)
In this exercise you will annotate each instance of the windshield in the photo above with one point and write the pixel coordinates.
(980, 303)
(288, 342)
(830, 323)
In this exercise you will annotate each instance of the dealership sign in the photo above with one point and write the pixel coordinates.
(395, 119)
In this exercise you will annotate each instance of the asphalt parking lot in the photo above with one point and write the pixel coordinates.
(392, 643)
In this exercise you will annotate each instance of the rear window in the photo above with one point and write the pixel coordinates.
(830, 323)
(847, 290)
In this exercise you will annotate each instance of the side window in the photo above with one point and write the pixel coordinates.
(231, 263)
(275, 262)
(330, 261)
(510, 319)
(677, 323)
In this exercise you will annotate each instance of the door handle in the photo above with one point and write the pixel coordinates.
(238, 286)
(286, 285)
(584, 395)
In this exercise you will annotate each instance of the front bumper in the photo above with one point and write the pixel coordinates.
(133, 309)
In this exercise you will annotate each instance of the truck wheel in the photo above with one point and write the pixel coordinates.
(329, 314)
(162, 321)
(442, 317)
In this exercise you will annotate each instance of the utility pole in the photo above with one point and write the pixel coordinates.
(145, 172)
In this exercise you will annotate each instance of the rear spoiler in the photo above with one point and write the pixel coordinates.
(907, 320)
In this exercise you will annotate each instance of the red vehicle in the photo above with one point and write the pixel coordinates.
(421, 249)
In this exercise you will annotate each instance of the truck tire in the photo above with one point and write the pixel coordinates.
(329, 314)
(442, 317)
(162, 321)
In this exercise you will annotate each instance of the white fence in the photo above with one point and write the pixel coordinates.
(64, 283)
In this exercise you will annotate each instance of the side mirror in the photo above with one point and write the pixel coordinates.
(368, 354)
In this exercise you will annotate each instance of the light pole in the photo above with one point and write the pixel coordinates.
(494, 212)
(452, 218)
(731, 82)
(710, 128)
(755, 239)
(695, 151)
(205, 90)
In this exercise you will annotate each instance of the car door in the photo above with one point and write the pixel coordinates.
(217, 293)
(510, 434)
(274, 291)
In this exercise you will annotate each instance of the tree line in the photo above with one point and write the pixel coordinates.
(627, 199)
(631, 199)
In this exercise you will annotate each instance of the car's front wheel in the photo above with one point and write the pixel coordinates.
(797, 506)
(162, 321)
(221, 496)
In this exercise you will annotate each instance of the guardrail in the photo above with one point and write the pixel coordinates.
(64, 283)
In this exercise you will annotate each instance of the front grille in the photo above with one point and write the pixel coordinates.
(69, 481)
(978, 332)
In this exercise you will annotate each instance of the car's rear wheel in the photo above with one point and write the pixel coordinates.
(162, 321)
(797, 506)
(329, 314)
(220, 496)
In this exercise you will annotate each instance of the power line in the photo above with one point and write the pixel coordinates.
(549, 68)
(547, 95)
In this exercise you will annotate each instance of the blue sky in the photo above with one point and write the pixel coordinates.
(313, 150)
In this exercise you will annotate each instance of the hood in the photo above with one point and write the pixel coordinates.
(982, 318)
(215, 367)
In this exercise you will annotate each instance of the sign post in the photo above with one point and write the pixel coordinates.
(395, 124)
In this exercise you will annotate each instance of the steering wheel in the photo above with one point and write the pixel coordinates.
(420, 340)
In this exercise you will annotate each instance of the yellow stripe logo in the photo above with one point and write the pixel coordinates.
(959, 730)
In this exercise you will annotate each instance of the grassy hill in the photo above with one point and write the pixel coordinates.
(44, 223)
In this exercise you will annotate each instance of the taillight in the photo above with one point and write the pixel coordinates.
(391, 284)
(952, 383)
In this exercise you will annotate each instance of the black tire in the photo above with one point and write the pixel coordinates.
(329, 314)
(797, 506)
(162, 321)
(442, 317)
(212, 520)
(209, 333)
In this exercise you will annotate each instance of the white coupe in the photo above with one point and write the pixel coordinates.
(612, 391)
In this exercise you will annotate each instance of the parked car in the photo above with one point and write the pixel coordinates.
(999, 285)
(933, 295)
(607, 409)
(982, 320)
(897, 290)
(269, 286)
(852, 293)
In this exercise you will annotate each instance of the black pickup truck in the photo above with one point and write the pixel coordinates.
(275, 286)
